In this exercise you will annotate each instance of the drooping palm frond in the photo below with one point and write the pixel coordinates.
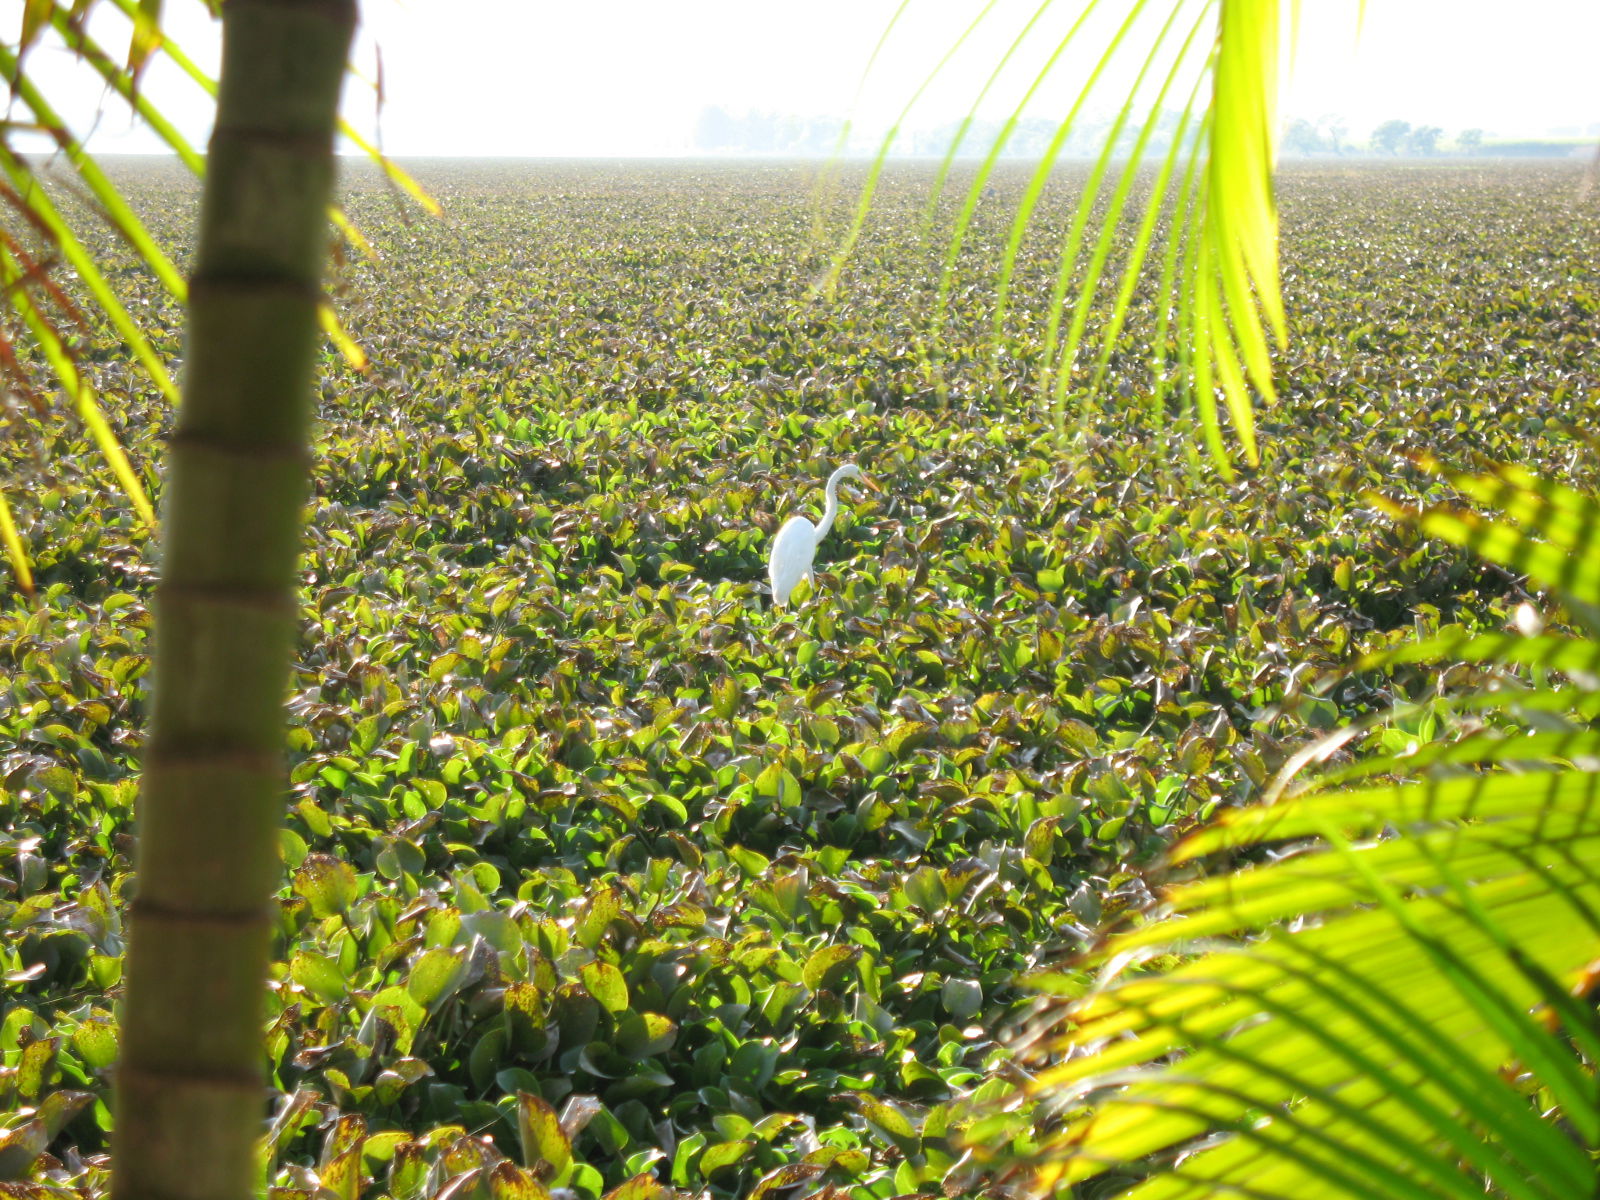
(847, 244)
(1220, 230)
(1400, 1005)
(42, 314)
(396, 174)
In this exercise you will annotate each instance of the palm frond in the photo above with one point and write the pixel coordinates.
(1392, 1004)
(1547, 531)
(106, 195)
(16, 552)
(74, 33)
(13, 282)
(26, 193)
(1220, 231)
(864, 205)
(1419, 1006)
(1063, 364)
(42, 308)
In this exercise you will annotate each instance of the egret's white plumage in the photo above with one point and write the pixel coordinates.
(796, 544)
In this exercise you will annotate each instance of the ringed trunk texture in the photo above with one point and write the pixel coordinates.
(190, 1084)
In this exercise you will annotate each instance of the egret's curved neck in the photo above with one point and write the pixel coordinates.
(832, 510)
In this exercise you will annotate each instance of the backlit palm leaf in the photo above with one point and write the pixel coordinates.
(42, 311)
(1220, 262)
(1399, 1027)
(1399, 1008)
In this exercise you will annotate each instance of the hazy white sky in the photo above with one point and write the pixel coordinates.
(624, 77)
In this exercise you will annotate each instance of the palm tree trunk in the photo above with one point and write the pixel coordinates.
(190, 1098)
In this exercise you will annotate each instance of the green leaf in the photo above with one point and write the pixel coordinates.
(34, 1067)
(777, 784)
(726, 695)
(327, 883)
(342, 1176)
(785, 1177)
(926, 889)
(1039, 843)
(908, 736)
(436, 974)
(94, 1040)
(645, 1035)
(962, 998)
(722, 1155)
(507, 1181)
(643, 1186)
(20, 1147)
(876, 759)
(592, 927)
(408, 1171)
(825, 967)
(541, 1135)
(754, 864)
(887, 1116)
(318, 974)
(607, 985)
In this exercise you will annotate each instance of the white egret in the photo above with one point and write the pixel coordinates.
(796, 544)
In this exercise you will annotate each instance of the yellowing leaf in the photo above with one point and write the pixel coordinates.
(542, 1138)
(606, 984)
(722, 1154)
(823, 966)
(436, 974)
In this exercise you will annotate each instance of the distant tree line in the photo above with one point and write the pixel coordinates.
(1329, 135)
(720, 131)
(1031, 137)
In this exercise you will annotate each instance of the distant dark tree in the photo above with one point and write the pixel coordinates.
(1032, 136)
(716, 129)
(1088, 137)
(1424, 139)
(1166, 129)
(1302, 138)
(1333, 128)
(1390, 137)
(821, 135)
(765, 132)
(1470, 141)
(759, 131)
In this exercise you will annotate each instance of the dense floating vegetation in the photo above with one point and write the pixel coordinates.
(600, 871)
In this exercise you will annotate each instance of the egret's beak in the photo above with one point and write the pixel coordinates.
(868, 482)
